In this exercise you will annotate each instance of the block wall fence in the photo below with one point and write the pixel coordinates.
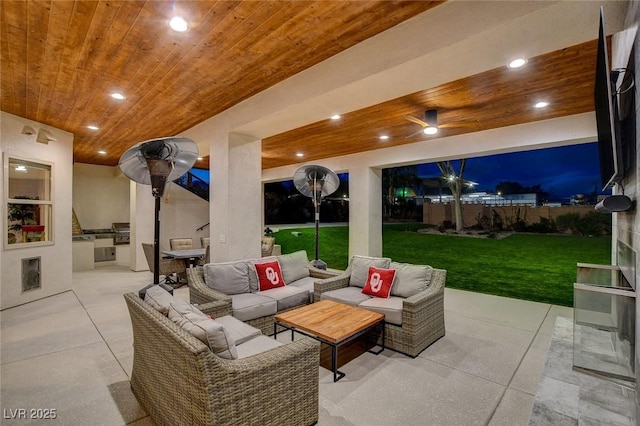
(437, 214)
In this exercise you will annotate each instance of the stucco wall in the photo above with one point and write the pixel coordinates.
(101, 196)
(56, 257)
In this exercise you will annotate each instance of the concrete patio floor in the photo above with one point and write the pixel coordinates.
(73, 353)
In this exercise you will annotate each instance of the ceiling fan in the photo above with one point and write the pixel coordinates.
(430, 124)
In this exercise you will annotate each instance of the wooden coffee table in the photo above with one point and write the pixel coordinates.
(331, 323)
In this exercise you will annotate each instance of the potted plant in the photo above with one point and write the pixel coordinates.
(23, 214)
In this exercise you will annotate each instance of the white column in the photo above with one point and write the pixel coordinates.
(142, 216)
(365, 211)
(235, 197)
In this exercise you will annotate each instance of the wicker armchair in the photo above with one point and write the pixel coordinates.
(206, 258)
(205, 241)
(266, 245)
(200, 293)
(179, 381)
(168, 267)
(422, 314)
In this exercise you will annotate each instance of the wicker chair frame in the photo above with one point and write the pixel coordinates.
(422, 314)
(200, 293)
(179, 381)
(168, 267)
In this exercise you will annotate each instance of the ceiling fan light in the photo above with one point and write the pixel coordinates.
(430, 130)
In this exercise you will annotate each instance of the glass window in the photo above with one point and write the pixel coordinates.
(29, 203)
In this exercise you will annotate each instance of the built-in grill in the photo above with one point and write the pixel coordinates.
(121, 233)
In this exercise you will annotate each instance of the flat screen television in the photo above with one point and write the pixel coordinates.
(611, 155)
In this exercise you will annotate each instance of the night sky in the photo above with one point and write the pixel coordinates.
(562, 171)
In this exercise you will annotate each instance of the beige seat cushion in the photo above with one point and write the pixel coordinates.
(391, 308)
(350, 295)
(239, 331)
(306, 283)
(248, 306)
(287, 297)
(257, 345)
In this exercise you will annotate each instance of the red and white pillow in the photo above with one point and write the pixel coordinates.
(269, 275)
(379, 282)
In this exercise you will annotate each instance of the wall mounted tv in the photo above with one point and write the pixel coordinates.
(611, 161)
(615, 117)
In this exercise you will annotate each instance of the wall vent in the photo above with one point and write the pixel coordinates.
(31, 277)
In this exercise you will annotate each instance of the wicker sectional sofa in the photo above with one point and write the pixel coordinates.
(179, 380)
(236, 284)
(414, 312)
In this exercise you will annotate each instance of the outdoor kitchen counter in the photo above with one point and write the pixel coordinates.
(84, 248)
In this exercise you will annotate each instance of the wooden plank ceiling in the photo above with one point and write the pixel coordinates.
(60, 60)
(493, 99)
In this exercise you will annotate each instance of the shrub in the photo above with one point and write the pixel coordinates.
(594, 224)
(545, 226)
(568, 222)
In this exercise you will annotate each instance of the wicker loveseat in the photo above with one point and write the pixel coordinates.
(178, 380)
(414, 313)
(298, 274)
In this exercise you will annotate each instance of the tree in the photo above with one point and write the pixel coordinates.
(508, 187)
(455, 182)
(394, 178)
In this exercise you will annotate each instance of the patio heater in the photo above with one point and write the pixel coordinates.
(153, 162)
(316, 182)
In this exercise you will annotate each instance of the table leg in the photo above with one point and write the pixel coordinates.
(337, 375)
(382, 345)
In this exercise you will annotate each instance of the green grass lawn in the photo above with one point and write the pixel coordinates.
(535, 267)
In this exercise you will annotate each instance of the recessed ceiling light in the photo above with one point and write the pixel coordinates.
(178, 23)
(517, 63)
(429, 130)
(102, 152)
(92, 127)
(335, 117)
(119, 96)
(21, 168)
(541, 104)
(384, 137)
(299, 154)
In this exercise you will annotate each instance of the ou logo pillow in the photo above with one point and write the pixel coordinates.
(379, 282)
(269, 275)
